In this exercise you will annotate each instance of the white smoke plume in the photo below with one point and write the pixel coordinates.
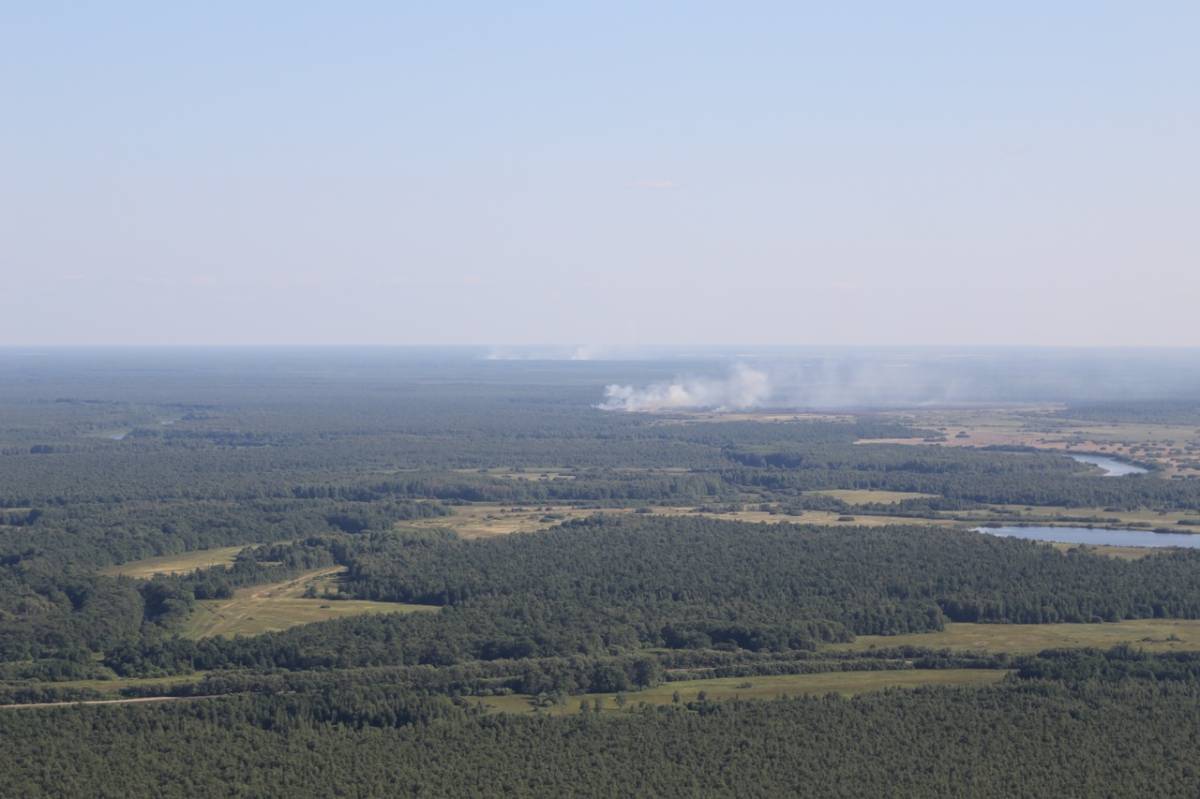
(744, 388)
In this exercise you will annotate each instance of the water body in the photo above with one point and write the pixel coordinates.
(1111, 466)
(1098, 537)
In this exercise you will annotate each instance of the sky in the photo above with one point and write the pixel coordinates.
(598, 175)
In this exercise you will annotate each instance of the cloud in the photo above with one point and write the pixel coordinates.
(744, 388)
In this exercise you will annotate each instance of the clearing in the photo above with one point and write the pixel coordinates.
(483, 520)
(116, 684)
(863, 496)
(176, 564)
(268, 608)
(846, 683)
(1155, 635)
(1174, 448)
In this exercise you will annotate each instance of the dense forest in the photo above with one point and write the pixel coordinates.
(1134, 738)
(642, 572)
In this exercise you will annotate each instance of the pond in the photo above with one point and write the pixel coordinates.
(1111, 466)
(1096, 536)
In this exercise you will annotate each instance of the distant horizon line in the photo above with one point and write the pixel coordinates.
(597, 351)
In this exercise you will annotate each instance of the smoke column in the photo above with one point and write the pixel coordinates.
(744, 388)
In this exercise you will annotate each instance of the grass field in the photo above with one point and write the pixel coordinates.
(115, 685)
(1158, 635)
(846, 683)
(176, 564)
(267, 608)
(1174, 448)
(807, 517)
(1136, 518)
(484, 520)
(855, 496)
(1120, 553)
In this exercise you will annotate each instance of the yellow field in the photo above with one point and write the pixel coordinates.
(267, 608)
(846, 683)
(484, 520)
(176, 564)
(855, 496)
(1157, 635)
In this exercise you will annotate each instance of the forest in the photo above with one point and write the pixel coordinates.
(572, 567)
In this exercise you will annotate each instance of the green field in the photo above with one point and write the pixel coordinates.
(176, 564)
(267, 608)
(846, 683)
(1158, 635)
(115, 685)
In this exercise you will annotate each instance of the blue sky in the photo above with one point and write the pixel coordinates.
(607, 174)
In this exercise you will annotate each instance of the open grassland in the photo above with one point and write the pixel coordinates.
(267, 608)
(1050, 514)
(176, 564)
(484, 520)
(806, 517)
(857, 496)
(1157, 635)
(1120, 553)
(846, 683)
(1174, 448)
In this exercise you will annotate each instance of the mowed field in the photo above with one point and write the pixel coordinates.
(176, 564)
(267, 608)
(846, 683)
(1156, 635)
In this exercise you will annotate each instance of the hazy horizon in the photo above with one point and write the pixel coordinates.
(604, 175)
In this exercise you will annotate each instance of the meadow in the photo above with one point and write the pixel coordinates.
(843, 683)
(1172, 447)
(181, 563)
(268, 608)
(1154, 635)
(858, 496)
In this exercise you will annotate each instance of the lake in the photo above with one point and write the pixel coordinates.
(1111, 466)
(1096, 536)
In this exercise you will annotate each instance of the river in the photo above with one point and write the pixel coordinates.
(1097, 536)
